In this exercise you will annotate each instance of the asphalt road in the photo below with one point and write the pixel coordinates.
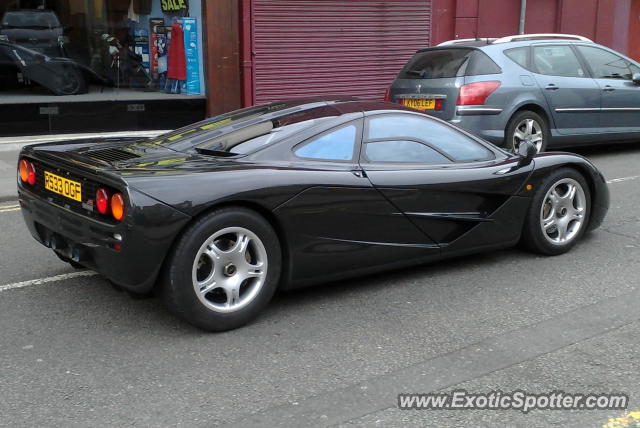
(76, 352)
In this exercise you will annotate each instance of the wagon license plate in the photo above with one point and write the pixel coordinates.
(63, 186)
(420, 104)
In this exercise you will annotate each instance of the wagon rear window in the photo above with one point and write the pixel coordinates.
(435, 64)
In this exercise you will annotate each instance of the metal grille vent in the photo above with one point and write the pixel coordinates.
(111, 155)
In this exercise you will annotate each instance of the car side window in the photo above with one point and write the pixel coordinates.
(402, 151)
(606, 65)
(336, 145)
(557, 60)
(519, 56)
(442, 137)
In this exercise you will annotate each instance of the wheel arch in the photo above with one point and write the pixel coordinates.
(594, 192)
(259, 209)
(597, 185)
(536, 108)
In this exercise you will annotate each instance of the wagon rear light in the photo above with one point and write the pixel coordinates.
(476, 93)
(27, 172)
(117, 206)
(439, 104)
(102, 201)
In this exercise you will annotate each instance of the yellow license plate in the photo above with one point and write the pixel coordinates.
(63, 186)
(420, 104)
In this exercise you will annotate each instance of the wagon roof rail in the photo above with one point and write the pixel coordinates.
(483, 40)
(541, 36)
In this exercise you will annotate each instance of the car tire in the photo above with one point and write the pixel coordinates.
(527, 126)
(558, 216)
(224, 269)
(69, 80)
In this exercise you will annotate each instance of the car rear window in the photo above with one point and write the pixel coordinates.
(446, 63)
(246, 130)
(435, 64)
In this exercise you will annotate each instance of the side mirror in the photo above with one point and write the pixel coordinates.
(636, 78)
(527, 151)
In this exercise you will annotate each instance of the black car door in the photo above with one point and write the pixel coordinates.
(456, 189)
(340, 224)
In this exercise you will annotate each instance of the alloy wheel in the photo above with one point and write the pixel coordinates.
(563, 211)
(528, 130)
(229, 269)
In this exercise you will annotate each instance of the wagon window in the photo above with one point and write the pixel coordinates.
(335, 145)
(606, 65)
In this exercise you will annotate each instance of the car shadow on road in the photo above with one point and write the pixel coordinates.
(604, 149)
(369, 284)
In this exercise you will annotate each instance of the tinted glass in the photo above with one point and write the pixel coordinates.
(449, 140)
(480, 63)
(606, 65)
(435, 64)
(246, 130)
(402, 151)
(519, 56)
(557, 61)
(336, 145)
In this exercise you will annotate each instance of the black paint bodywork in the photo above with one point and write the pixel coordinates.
(334, 219)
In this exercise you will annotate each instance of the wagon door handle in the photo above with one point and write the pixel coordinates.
(609, 88)
(359, 173)
(551, 87)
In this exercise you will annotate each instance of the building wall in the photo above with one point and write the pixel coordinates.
(613, 23)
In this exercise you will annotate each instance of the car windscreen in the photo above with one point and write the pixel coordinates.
(246, 130)
(435, 64)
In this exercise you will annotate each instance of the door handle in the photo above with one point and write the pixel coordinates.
(609, 88)
(551, 87)
(359, 173)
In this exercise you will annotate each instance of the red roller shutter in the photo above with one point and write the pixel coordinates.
(329, 47)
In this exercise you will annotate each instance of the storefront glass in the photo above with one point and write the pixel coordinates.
(100, 50)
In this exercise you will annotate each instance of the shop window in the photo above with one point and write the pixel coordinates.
(67, 50)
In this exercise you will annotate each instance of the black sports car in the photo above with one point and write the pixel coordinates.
(222, 213)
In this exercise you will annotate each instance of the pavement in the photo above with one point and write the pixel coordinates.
(76, 352)
(10, 148)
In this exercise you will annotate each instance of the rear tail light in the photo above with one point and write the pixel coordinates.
(102, 201)
(110, 204)
(117, 206)
(476, 93)
(27, 172)
(439, 105)
(387, 95)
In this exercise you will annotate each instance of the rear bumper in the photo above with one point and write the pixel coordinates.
(486, 122)
(147, 234)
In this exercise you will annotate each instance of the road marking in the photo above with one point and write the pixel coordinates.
(41, 281)
(631, 419)
(621, 179)
(9, 208)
